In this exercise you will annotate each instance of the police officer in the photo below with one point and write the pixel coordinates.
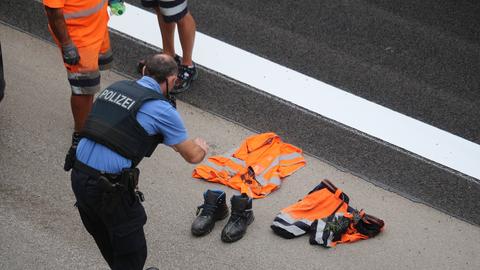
(128, 120)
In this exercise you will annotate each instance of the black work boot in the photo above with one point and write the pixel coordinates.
(214, 208)
(70, 157)
(242, 216)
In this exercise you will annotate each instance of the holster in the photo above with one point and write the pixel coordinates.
(129, 178)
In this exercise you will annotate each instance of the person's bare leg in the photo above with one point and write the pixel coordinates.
(168, 34)
(81, 107)
(186, 31)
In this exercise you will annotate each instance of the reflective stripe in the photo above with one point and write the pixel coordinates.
(220, 168)
(261, 180)
(85, 90)
(238, 161)
(319, 231)
(84, 83)
(291, 229)
(86, 76)
(213, 166)
(233, 159)
(275, 179)
(174, 10)
(290, 156)
(85, 12)
(291, 220)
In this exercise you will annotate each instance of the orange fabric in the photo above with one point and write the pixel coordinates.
(262, 154)
(89, 56)
(316, 205)
(54, 3)
(325, 214)
(105, 42)
(352, 234)
(85, 30)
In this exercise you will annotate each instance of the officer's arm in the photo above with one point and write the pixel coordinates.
(193, 151)
(58, 25)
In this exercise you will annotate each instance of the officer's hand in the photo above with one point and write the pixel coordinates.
(202, 143)
(70, 54)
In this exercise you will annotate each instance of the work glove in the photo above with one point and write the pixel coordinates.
(70, 54)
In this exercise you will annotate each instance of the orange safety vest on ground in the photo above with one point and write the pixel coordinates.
(325, 214)
(86, 19)
(256, 168)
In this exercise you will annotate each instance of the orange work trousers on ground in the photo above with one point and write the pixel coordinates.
(325, 214)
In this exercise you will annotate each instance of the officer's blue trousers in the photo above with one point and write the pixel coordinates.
(116, 225)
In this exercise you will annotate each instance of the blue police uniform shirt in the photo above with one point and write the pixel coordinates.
(156, 116)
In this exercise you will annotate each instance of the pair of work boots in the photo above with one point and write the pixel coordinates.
(215, 208)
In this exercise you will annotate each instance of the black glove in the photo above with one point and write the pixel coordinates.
(70, 54)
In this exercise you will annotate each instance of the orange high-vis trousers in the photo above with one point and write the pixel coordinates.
(325, 214)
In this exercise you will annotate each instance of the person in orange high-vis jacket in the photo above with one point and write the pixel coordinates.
(79, 27)
(324, 213)
(256, 168)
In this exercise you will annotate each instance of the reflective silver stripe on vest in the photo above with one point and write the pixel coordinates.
(230, 156)
(290, 156)
(173, 10)
(238, 161)
(85, 12)
(219, 168)
(275, 179)
(291, 229)
(213, 166)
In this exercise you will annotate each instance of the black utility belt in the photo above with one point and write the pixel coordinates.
(127, 180)
(112, 177)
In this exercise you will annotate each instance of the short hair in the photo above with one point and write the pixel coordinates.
(160, 66)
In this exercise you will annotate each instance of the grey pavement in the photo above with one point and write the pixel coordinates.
(42, 230)
(341, 43)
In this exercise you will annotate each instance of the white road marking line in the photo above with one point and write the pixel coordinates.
(380, 122)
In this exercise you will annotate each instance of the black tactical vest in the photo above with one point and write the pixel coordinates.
(112, 121)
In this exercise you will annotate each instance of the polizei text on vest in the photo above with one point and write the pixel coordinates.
(117, 98)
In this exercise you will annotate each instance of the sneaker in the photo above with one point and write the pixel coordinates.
(186, 75)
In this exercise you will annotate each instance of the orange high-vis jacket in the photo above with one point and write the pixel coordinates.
(325, 214)
(86, 19)
(256, 168)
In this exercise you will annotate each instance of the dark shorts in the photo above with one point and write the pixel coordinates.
(171, 10)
